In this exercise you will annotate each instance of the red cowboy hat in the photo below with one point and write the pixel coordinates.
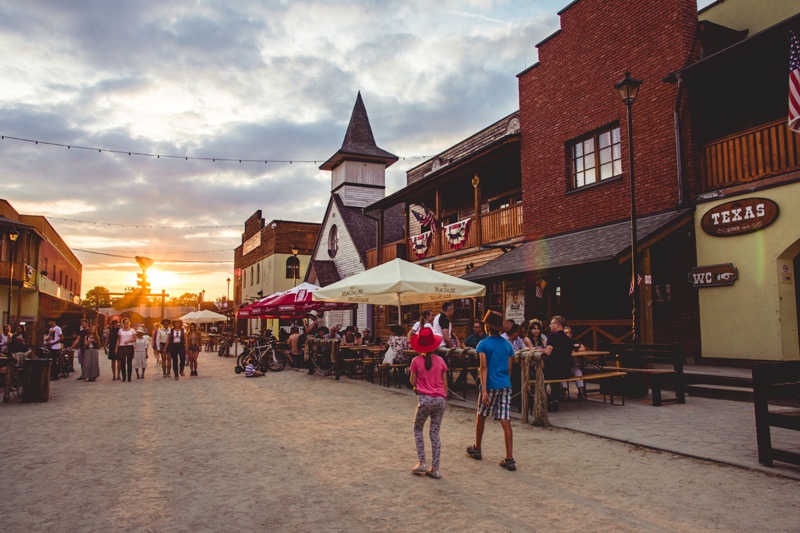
(425, 341)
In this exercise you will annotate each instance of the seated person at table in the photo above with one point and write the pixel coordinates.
(350, 338)
(576, 370)
(425, 320)
(535, 338)
(558, 358)
(472, 359)
(295, 355)
(397, 343)
(477, 336)
(512, 336)
(366, 337)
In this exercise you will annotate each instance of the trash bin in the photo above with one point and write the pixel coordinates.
(35, 380)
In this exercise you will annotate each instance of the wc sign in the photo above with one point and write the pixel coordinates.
(713, 275)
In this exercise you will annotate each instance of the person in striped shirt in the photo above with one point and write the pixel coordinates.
(251, 372)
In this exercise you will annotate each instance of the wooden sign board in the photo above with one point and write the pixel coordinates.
(739, 217)
(713, 275)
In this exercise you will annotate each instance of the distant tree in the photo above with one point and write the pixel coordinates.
(98, 296)
(187, 298)
(131, 298)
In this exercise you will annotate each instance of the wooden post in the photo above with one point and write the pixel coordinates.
(408, 230)
(437, 237)
(379, 249)
(646, 302)
(476, 184)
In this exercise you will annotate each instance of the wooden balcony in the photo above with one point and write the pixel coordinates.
(389, 251)
(502, 224)
(750, 155)
(496, 226)
(20, 273)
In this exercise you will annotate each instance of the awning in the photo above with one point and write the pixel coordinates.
(605, 243)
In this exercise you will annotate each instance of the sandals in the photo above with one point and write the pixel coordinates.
(509, 464)
(474, 452)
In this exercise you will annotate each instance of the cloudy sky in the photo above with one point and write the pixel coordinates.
(250, 79)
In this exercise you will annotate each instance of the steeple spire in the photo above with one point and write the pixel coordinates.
(359, 143)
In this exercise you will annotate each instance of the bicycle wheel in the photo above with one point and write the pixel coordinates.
(245, 357)
(223, 350)
(276, 359)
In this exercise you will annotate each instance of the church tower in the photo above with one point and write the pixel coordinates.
(359, 167)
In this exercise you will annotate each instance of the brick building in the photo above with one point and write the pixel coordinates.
(265, 263)
(47, 275)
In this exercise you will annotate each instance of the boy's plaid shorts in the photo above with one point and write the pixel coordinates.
(499, 404)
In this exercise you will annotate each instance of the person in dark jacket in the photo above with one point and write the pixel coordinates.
(176, 347)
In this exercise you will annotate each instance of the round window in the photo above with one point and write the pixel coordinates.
(333, 241)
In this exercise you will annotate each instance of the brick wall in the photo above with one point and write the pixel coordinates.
(570, 93)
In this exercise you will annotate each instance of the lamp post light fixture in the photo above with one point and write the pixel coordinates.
(295, 265)
(11, 256)
(628, 88)
(229, 288)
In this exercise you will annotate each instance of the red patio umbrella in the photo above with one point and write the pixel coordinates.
(294, 303)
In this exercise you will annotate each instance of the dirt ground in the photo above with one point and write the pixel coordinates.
(292, 452)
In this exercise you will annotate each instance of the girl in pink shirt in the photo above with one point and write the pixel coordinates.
(429, 377)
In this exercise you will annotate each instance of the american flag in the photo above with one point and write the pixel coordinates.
(794, 83)
(427, 219)
(540, 289)
(639, 280)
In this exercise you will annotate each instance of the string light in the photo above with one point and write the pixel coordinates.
(162, 251)
(184, 157)
(155, 259)
(140, 225)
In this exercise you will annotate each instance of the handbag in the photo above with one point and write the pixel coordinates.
(388, 359)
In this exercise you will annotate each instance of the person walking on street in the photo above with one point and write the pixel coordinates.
(154, 337)
(194, 340)
(496, 356)
(163, 340)
(126, 338)
(78, 345)
(176, 346)
(90, 367)
(429, 376)
(111, 349)
(140, 352)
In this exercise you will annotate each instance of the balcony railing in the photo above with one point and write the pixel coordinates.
(21, 273)
(389, 251)
(496, 226)
(751, 155)
(502, 224)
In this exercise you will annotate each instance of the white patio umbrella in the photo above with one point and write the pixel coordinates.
(188, 316)
(203, 317)
(399, 282)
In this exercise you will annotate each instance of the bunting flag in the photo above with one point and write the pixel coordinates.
(427, 219)
(540, 288)
(457, 233)
(420, 243)
(794, 83)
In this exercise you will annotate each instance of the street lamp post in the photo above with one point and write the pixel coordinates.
(628, 88)
(11, 256)
(229, 289)
(295, 265)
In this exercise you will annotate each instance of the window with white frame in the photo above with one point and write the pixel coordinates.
(596, 157)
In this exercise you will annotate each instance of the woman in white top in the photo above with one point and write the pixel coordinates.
(125, 341)
(425, 319)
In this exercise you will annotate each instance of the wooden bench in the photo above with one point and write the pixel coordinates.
(635, 359)
(587, 377)
(398, 370)
(773, 381)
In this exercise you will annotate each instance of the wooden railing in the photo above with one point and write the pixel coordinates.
(20, 273)
(446, 247)
(502, 224)
(389, 251)
(750, 155)
(592, 333)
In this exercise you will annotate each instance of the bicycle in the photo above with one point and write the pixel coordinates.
(59, 362)
(263, 353)
(224, 343)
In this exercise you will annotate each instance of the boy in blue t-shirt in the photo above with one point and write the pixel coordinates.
(496, 355)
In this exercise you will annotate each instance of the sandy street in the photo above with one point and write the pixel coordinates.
(292, 452)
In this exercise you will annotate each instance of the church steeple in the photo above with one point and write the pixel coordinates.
(359, 143)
